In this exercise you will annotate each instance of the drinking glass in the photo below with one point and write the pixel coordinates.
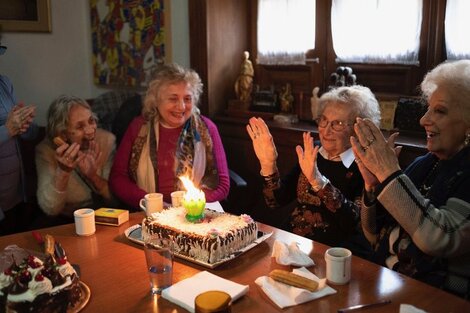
(159, 257)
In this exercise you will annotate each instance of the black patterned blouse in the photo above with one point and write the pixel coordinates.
(331, 215)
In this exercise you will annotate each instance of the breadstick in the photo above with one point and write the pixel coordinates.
(49, 243)
(295, 280)
(58, 141)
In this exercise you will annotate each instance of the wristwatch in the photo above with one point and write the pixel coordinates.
(322, 182)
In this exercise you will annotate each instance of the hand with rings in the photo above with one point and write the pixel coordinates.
(373, 152)
(369, 142)
(263, 143)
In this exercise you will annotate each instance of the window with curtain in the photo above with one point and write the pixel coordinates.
(286, 30)
(376, 31)
(457, 28)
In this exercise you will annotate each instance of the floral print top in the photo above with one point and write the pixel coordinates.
(330, 215)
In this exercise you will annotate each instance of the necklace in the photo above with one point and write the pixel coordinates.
(334, 157)
(429, 180)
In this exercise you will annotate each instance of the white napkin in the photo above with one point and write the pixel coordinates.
(408, 308)
(284, 295)
(216, 206)
(184, 292)
(290, 255)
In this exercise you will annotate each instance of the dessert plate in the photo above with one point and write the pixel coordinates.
(134, 234)
(84, 298)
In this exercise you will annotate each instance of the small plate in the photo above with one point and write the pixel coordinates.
(84, 298)
(134, 234)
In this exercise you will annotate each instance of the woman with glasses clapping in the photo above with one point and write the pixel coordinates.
(321, 196)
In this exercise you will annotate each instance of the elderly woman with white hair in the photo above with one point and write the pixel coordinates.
(418, 220)
(73, 161)
(323, 191)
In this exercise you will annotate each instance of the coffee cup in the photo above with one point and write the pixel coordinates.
(84, 221)
(177, 198)
(338, 265)
(152, 203)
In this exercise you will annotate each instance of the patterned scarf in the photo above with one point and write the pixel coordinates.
(194, 156)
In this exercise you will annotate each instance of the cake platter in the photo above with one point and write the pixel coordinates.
(134, 234)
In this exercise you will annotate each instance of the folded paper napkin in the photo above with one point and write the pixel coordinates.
(408, 308)
(184, 292)
(284, 295)
(290, 255)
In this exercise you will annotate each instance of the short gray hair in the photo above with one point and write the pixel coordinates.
(168, 75)
(359, 98)
(454, 77)
(58, 114)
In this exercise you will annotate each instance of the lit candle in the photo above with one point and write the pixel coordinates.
(194, 201)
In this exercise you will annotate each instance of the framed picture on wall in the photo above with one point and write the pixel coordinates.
(25, 16)
(129, 40)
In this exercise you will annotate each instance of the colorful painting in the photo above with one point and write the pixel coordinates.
(128, 40)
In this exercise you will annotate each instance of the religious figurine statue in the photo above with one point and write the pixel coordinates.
(287, 99)
(314, 103)
(244, 83)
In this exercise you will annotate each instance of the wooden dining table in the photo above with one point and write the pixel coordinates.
(114, 269)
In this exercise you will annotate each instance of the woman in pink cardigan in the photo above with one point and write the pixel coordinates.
(170, 139)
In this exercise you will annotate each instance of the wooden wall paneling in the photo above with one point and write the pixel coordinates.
(218, 35)
(198, 45)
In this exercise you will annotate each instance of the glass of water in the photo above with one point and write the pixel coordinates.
(159, 257)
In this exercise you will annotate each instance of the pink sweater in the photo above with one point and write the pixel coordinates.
(126, 189)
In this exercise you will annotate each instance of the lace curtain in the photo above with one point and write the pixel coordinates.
(376, 31)
(457, 28)
(286, 30)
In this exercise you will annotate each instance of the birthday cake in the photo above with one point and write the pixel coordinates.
(35, 285)
(214, 238)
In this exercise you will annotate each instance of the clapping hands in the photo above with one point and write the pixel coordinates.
(377, 158)
(20, 118)
(89, 163)
(69, 157)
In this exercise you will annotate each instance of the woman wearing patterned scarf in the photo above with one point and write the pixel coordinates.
(170, 139)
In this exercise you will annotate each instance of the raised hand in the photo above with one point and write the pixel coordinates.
(68, 156)
(263, 144)
(89, 164)
(373, 152)
(308, 158)
(19, 119)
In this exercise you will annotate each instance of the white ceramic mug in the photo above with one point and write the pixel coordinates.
(338, 265)
(177, 198)
(84, 221)
(152, 203)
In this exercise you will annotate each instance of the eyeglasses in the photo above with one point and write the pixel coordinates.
(336, 125)
(3, 49)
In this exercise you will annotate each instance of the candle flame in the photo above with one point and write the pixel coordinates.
(191, 191)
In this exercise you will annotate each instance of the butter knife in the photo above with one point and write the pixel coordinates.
(363, 306)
